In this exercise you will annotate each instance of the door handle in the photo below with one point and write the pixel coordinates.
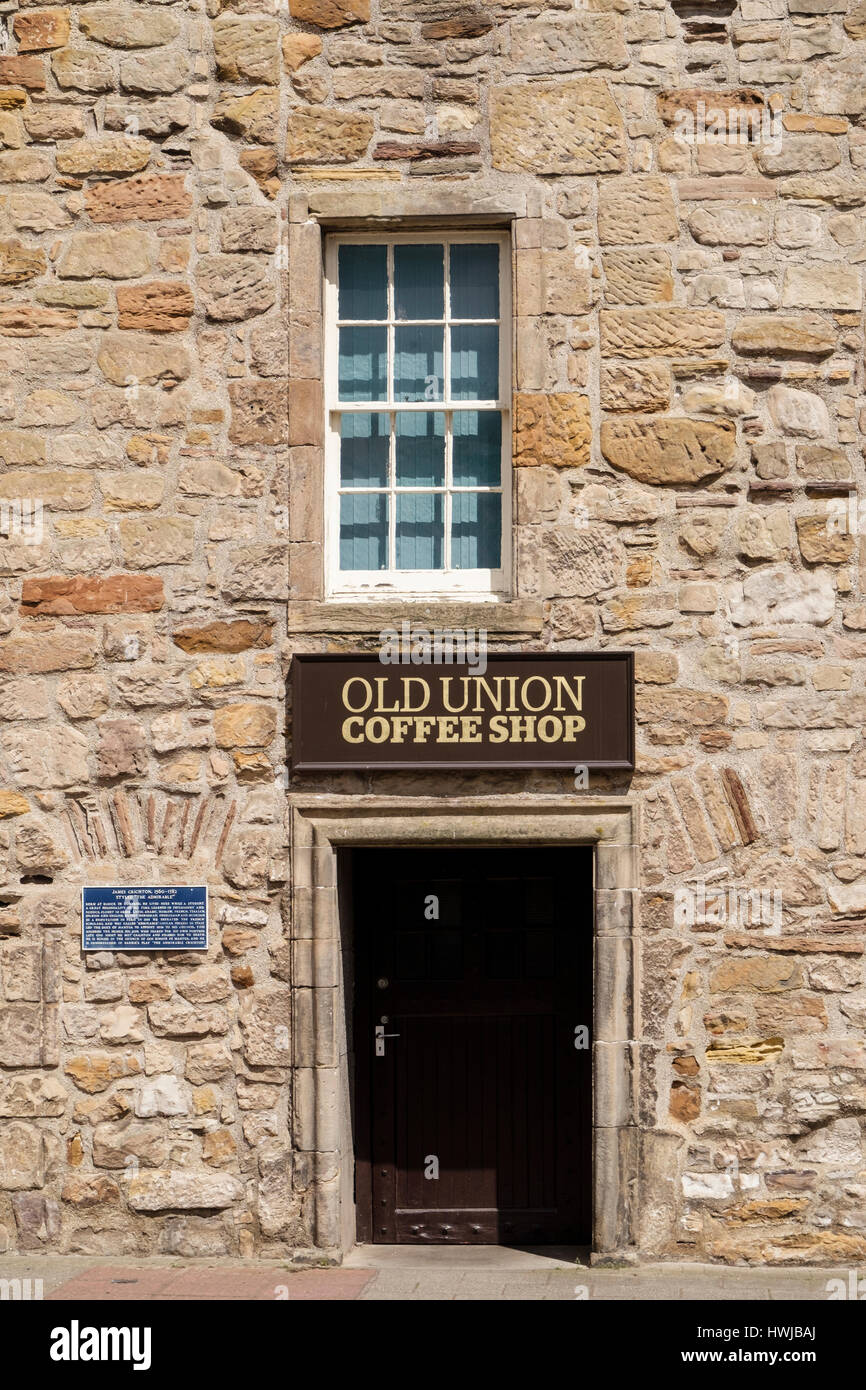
(380, 1036)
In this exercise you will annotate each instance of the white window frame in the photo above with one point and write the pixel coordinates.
(476, 584)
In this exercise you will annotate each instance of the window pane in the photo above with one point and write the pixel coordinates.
(363, 282)
(474, 281)
(419, 282)
(476, 530)
(477, 460)
(418, 364)
(364, 441)
(420, 532)
(363, 365)
(363, 531)
(420, 449)
(475, 362)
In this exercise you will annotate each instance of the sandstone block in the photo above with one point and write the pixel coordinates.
(62, 492)
(247, 50)
(28, 1095)
(24, 166)
(244, 726)
(83, 70)
(249, 229)
(150, 198)
(567, 43)
(793, 335)
(756, 974)
(83, 697)
(255, 571)
(264, 1021)
(800, 154)
(120, 593)
(181, 1188)
(155, 74)
(64, 651)
(108, 154)
(822, 287)
(127, 1144)
(661, 332)
(746, 103)
(34, 211)
(255, 117)
(741, 225)
(643, 387)
(121, 255)
(19, 262)
(52, 756)
(207, 1061)
(332, 137)
(128, 26)
(571, 128)
(126, 358)
(781, 596)
(41, 29)
(131, 492)
(299, 49)
(22, 72)
(638, 277)
(235, 287)
(22, 1157)
(668, 450)
(330, 14)
(238, 635)
(162, 306)
(637, 209)
(822, 543)
(259, 412)
(121, 752)
(175, 1020)
(799, 412)
(164, 540)
(552, 429)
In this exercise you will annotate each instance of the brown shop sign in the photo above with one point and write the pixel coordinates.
(532, 710)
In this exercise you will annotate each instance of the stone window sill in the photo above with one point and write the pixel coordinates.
(515, 617)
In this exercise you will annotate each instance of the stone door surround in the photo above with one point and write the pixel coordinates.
(321, 1079)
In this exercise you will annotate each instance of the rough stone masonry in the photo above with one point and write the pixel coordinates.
(689, 418)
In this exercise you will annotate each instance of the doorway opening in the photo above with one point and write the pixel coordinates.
(472, 1023)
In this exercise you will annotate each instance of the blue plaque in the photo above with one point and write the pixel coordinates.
(150, 917)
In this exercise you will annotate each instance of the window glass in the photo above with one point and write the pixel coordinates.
(363, 285)
(474, 281)
(475, 362)
(420, 532)
(419, 282)
(476, 521)
(364, 531)
(418, 428)
(418, 363)
(477, 448)
(420, 449)
(363, 366)
(364, 444)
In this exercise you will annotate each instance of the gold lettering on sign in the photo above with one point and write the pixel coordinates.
(504, 709)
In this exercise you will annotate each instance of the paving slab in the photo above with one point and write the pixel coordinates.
(413, 1274)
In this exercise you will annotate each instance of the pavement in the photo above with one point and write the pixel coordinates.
(400, 1273)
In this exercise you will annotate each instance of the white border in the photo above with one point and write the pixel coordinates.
(487, 585)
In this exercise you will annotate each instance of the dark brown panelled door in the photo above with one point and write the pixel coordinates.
(472, 1039)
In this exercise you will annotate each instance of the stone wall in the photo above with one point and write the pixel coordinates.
(688, 423)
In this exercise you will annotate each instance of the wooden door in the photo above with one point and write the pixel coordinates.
(473, 1112)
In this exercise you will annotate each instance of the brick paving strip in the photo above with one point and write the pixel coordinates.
(113, 1283)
